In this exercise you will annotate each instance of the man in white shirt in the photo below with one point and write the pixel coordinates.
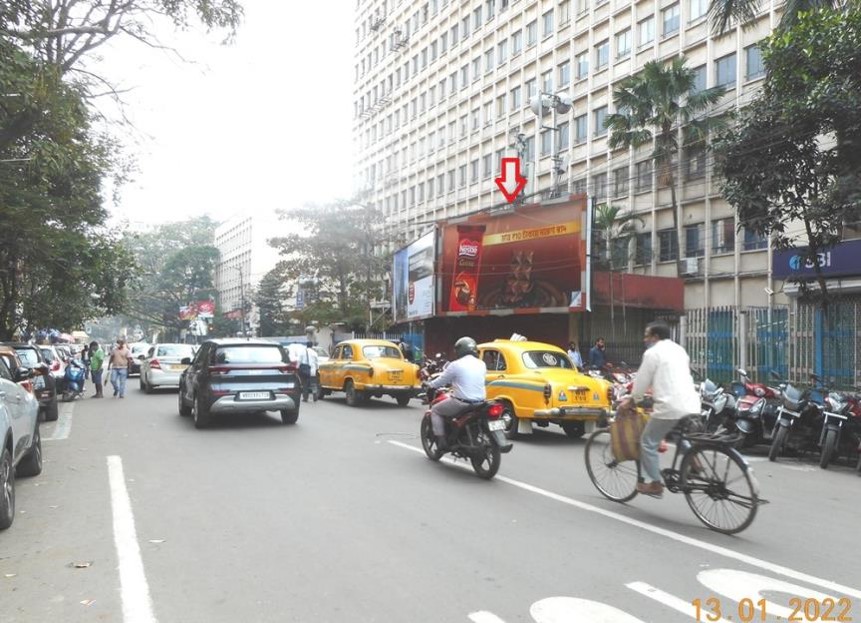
(313, 362)
(466, 375)
(574, 354)
(666, 369)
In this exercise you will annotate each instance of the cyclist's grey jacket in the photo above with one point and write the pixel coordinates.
(666, 369)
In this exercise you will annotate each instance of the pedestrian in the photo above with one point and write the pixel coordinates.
(406, 350)
(299, 356)
(666, 370)
(597, 355)
(85, 357)
(96, 363)
(119, 364)
(313, 361)
(574, 354)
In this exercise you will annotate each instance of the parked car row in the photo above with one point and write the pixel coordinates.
(44, 381)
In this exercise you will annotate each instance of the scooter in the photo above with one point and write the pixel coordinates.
(73, 380)
(757, 407)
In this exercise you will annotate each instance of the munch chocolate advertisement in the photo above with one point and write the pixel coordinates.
(526, 261)
(413, 280)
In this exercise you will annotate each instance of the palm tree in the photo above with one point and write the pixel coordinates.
(613, 233)
(660, 107)
(725, 12)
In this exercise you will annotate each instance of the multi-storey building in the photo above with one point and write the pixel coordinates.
(442, 91)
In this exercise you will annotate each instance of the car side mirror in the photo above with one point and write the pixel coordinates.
(186, 361)
(23, 374)
(141, 357)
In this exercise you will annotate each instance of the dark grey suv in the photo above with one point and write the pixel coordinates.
(239, 376)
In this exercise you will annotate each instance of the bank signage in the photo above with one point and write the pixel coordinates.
(841, 260)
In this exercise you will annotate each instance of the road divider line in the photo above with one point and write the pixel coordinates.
(484, 617)
(671, 601)
(675, 536)
(63, 425)
(134, 590)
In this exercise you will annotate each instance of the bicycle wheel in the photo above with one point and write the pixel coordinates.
(720, 488)
(615, 480)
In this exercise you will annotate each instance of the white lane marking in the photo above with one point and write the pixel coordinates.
(679, 605)
(570, 609)
(134, 590)
(675, 536)
(738, 585)
(63, 425)
(484, 617)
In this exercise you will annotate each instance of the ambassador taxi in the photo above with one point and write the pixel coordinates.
(537, 382)
(363, 369)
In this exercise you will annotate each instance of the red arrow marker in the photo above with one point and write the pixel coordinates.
(511, 183)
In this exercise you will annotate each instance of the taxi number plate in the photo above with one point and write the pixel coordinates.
(254, 395)
(496, 425)
(579, 397)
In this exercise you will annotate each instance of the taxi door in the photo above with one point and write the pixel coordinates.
(329, 370)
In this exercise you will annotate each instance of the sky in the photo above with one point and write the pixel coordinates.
(261, 124)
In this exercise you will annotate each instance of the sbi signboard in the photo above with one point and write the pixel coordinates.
(841, 260)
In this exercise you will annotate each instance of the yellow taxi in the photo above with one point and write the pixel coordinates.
(537, 382)
(363, 369)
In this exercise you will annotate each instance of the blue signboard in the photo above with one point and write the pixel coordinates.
(841, 260)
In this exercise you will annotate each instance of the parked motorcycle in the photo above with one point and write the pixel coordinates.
(717, 404)
(841, 427)
(477, 434)
(73, 380)
(757, 405)
(800, 412)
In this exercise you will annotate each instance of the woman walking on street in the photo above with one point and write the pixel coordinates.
(119, 363)
(97, 362)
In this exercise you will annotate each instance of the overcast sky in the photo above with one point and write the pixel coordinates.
(257, 125)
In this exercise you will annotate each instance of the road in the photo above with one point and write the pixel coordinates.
(138, 517)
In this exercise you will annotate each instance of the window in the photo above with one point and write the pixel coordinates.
(564, 135)
(476, 119)
(546, 142)
(753, 61)
(464, 76)
(515, 98)
(600, 118)
(476, 19)
(461, 176)
(500, 106)
(602, 54)
(421, 192)
(443, 43)
(581, 129)
(623, 43)
(695, 244)
(564, 12)
(487, 165)
(476, 68)
(451, 181)
(547, 24)
(516, 43)
(547, 81)
(564, 74)
(644, 176)
(531, 33)
(493, 360)
(670, 17)
(695, 167)
(723, 236)
(579, 187)
(531, 88)
(464, 27)
(599, 185)
(490, 8)
(725, 71)
(643, 250)
(440, 184)
(529, 150)
(668, 250)
(753, 240)
(473, 171)
(502, 52)
(488, 113)
(699, 80)
(463, 126)
(488, 61)
(582, 65)
(646, 32)
(698, 8)
(620, 182)
(455, 35)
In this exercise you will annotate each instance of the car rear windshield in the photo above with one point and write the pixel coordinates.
(174, 350)
(250, 354)
(376, 352)
(28, 356)
(545, 359)
(48, 354)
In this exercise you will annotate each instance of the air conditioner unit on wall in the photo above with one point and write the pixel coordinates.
(689, 266)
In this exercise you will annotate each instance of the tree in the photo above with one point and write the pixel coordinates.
(725, 12)
(660, 107)
(794, 157)
(270, 297)
(341, 246)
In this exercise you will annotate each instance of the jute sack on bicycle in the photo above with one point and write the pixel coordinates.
(625, 432)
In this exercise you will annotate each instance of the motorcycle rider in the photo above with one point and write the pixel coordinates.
(466, 375)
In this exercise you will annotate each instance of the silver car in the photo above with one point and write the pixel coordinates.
(162, 365)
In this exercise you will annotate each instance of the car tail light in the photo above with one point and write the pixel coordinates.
(218, 393)
(371, 371)
(55, 366)
(290, 367)
(27, 385)
(217, 370)
(548, 391)
(610, 395)
(155, 364)
(494, 411)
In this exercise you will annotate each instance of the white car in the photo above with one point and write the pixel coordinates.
(56, 363)
(162, 365)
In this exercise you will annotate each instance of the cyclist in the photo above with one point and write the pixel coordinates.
(466, 375)
(666, 369)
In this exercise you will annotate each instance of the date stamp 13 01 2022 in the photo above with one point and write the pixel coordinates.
(802, 610)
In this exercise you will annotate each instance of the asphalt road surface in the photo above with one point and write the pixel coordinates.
(138, 517)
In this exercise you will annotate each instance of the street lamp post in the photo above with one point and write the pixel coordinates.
(557, 104)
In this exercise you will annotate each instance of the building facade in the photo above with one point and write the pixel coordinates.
(442, 93)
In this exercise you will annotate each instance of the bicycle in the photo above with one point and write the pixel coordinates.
(706, 468)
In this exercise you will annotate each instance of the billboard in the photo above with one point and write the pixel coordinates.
(199, 309)
(413, 282)
(528, 261)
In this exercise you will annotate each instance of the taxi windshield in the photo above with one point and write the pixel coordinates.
(535, 359)
(377, 352)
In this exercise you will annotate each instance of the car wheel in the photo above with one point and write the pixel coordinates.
(512, 421)
(403, 399)
(7, 489)
(354, 396)
(31, 464)
(184, 409)
(289, 416)
(52, 410)
(574, 430)
(200, 413)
